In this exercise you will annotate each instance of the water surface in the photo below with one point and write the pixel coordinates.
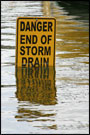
(53, 100)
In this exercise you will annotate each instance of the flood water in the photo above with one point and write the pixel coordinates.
(53, 100)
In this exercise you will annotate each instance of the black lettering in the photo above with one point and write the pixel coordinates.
(44, 26)
(27, 26)
(22, 37)
(33, 26)
(34, 50)
(22, 26)
(24, 61)
(46, 61)
(28, 47)
(49, 26)
(36, 62)
(49, 38)
(34, 39)
(22, 49)
(47, 50)
(43, 39)
(40, 50)
(30, 61)
(39, 27)
(28, 39)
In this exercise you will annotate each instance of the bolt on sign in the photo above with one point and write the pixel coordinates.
(35, 42)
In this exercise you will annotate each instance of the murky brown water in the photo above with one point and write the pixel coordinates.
(53, 100)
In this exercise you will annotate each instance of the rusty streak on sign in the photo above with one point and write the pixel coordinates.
(35, 42)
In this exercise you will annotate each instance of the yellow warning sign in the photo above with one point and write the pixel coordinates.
(35, 42)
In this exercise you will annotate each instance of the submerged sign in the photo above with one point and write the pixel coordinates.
(35, 42)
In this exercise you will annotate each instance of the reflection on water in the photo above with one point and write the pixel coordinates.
(36, 85)
(80, 9)
(72, 35)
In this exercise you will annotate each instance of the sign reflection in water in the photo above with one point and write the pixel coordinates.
(36, 85)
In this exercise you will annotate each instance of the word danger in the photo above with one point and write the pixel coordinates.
(36, 26)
